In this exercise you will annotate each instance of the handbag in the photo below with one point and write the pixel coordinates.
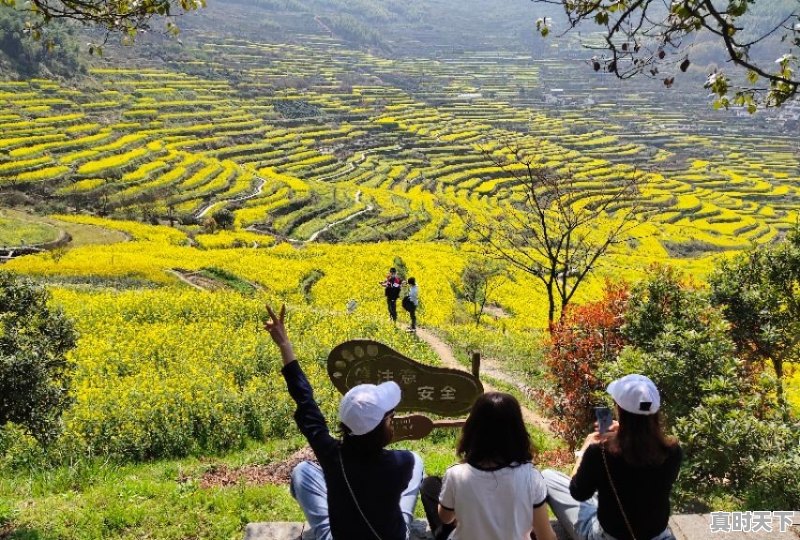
(355, 500)
(616, 495)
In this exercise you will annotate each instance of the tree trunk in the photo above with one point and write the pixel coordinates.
(777, 363)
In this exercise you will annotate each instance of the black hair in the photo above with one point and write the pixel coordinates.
(495, 434)
(369, 443)
(640, 439)
(412, 281)
(392, 270)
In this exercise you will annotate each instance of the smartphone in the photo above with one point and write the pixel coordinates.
(604, 419)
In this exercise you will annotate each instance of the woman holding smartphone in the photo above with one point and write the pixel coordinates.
(622, 480)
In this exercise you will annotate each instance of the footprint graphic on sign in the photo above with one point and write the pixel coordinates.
(424, 388)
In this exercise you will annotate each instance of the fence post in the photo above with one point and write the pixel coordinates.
(476, 364)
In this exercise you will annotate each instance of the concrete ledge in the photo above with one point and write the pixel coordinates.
(698, 527)
(285, 530)
(685, 527)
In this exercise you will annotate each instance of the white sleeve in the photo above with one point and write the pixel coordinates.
(538, 488)
(447, 497)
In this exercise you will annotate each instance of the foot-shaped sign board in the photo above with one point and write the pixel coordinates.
(442, 391)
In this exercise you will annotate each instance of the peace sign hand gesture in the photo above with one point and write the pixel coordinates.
(277, 331)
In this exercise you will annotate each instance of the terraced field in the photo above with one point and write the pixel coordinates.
(335, 163)
(300, 145)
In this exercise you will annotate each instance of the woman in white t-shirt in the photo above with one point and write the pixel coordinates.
(495, 493)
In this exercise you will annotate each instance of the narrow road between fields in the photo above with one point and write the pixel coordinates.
(333, 224)
(259, 189)
(445, 352)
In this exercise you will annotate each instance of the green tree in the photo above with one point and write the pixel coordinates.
(121, 17)
(56, 53)
(654, 38)
(759, 293)
(224, 218)
(678, 340)
(479, 281)
(34, 372)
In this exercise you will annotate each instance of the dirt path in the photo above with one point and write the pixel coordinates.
(351, 165)
(333, 224)
(445, 352)
(185, 278)
(314, 236)
(259, 189)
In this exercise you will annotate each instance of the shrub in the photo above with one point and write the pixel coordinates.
(759, 292)
(34, 373)
(678, 340)
(733, 433)
(733, 442)
(224, 218)
(480, 279)
(585, 338)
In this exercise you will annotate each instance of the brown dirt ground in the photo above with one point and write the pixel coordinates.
(278, 473)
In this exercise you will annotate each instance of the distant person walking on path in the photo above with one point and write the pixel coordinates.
(624, 477)
(495, 493)
(359, 490)
(391, 286)
(411, 301)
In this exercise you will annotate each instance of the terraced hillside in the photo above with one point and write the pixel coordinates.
(336, 159)
(298, 139)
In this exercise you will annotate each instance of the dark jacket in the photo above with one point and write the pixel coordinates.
(377, 480)
(643, 491)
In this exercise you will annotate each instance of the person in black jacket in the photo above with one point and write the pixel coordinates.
(391, 289)
(359, 490)
(622, 480)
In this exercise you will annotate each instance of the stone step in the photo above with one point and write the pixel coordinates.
(292, 531)
(685, 527)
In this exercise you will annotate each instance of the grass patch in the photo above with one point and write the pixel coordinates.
(97, 282)
(231, 280)
(81, 234)
(25, 232)
(99, 499)
(691, 249)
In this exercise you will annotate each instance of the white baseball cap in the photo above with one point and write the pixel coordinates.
(362, 408)
(636, 394)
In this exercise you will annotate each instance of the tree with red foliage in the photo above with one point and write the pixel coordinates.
(587, 336)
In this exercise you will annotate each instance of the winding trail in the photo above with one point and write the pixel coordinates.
(351, 165)
(259, 189)
(333, 224)
(445, 353)
(490, 368)
(314, 236)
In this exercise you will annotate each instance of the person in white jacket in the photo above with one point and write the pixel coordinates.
(411, 301)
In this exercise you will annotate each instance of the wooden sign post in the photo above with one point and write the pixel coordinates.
(442, 391)
(417, 426)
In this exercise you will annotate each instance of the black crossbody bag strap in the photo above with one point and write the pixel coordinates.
(355, 500)
(614, 489)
